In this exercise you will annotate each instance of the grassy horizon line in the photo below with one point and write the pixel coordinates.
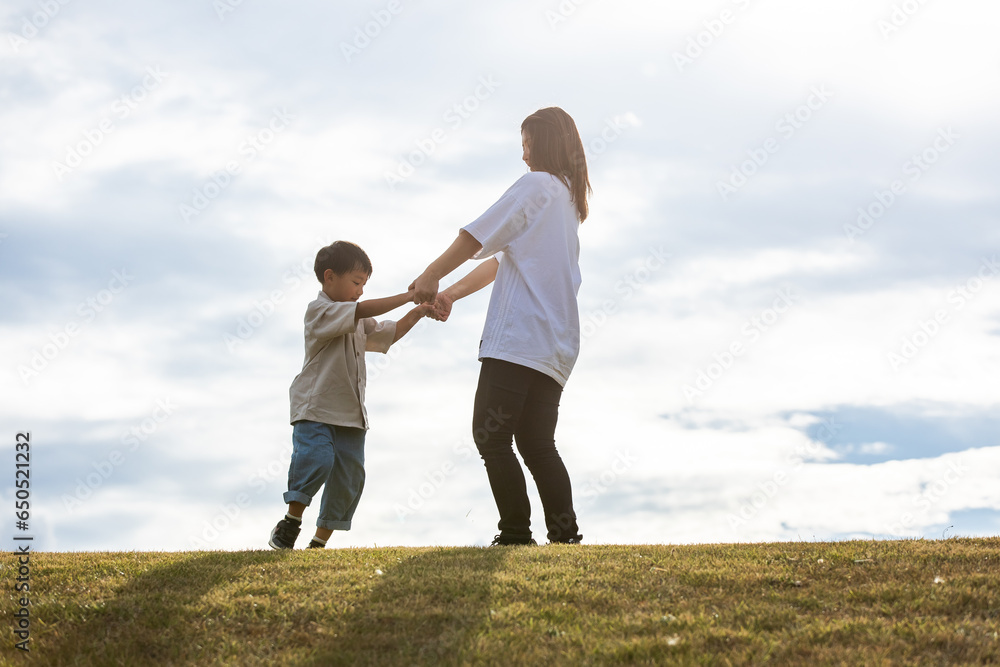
(854, 602)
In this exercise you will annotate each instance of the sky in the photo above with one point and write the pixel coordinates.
(791, 288)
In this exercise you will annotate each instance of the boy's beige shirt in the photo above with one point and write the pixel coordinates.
(331, 387)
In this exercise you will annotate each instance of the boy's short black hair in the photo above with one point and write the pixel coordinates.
(341, 257)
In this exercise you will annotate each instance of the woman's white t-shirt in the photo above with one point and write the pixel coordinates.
(533, 318)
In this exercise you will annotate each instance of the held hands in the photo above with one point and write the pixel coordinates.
(438, 309)
(424, 288)
(441, 308)
(424, 292)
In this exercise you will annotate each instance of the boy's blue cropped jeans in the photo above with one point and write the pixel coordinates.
(332, 457)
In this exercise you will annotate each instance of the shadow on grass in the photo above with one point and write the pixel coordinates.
(149, 620)
(429, 609)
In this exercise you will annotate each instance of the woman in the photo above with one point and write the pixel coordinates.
(532, 334)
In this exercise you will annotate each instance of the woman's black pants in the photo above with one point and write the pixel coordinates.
(520, 404)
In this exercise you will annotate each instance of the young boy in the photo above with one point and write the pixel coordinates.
(328, 397)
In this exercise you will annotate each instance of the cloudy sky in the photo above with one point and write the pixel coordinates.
(791, 295)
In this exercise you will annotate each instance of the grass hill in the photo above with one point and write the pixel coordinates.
(871, 603)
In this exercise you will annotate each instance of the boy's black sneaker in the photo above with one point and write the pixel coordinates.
(572, 540)
(284, 534)
(501, 541)
(313, 544)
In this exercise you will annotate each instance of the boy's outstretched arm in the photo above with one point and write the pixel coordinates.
(376, 307)
(406, 322)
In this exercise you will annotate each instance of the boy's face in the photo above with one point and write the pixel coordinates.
(348, 287)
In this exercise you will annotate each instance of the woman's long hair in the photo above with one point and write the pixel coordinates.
(554, 146)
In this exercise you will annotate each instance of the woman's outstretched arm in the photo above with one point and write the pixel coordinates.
(426, 285)
(475, 280)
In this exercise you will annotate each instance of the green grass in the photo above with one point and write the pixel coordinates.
(852, 603)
